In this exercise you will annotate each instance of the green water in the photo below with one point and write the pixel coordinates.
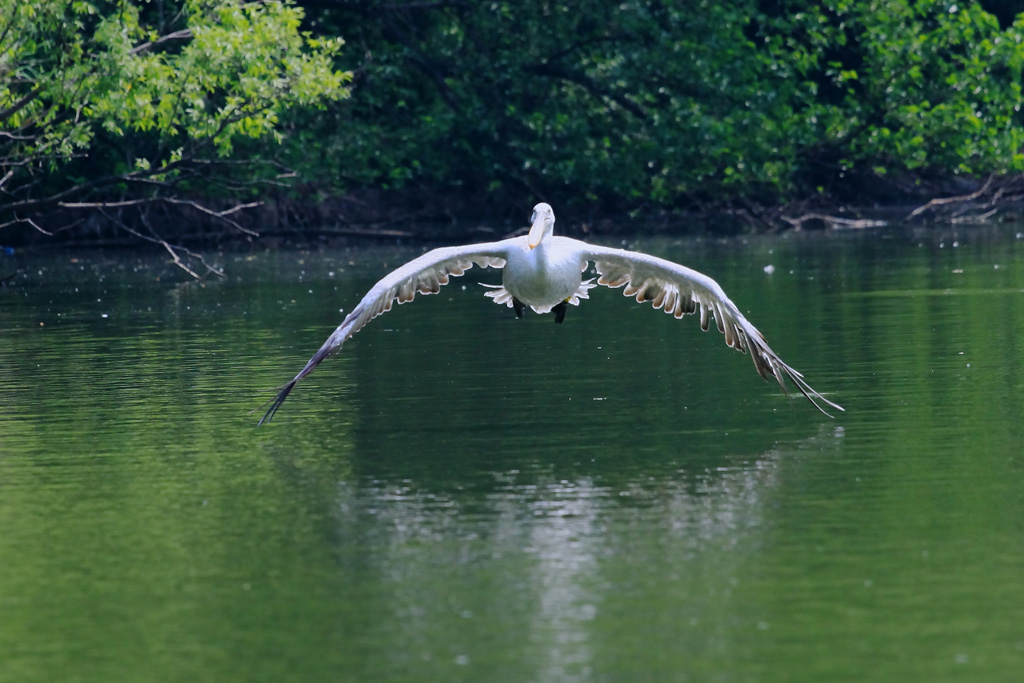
(461, 496)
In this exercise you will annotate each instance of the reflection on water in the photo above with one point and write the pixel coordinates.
(463, 496)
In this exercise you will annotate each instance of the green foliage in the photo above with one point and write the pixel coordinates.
(140, 92)
(643, 102)
(905, 86)
(634, 104)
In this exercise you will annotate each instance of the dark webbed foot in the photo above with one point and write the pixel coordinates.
(518, 307)
(559, 312)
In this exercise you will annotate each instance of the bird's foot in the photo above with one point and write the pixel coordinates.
(518, 307)
(559, 312)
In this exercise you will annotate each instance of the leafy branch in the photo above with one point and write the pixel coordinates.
(100, 109)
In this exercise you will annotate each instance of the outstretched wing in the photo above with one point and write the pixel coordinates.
(680, 291)
(423, 275)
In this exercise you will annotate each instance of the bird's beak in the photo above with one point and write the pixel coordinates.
(536, 232)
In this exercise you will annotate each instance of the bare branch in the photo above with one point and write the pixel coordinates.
(106, 205)
(29, 221)
(20, 138)
(21, 104)
(979, 218)
(222, 215)
(183, 34)
(177, 260)
(951, 200)
(59, 197)
(172, 249)
(420, 5)
(834, 221)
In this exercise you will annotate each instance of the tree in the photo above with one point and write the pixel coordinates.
(895, 86)
(108, 105)
(644, 104)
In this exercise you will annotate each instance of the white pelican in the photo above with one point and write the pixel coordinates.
(544, 272)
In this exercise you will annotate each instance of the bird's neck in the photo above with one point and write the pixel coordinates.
(540, 254)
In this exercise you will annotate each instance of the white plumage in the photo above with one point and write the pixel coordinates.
(544, 272)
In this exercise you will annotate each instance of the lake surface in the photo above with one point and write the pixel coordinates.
(460, 496)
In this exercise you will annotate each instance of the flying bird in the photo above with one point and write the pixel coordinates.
(543, 271)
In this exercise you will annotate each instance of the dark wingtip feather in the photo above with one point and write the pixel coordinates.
(326, 350)
(276, 403)
(810, 394)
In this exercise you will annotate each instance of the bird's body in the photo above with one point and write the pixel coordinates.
(544, 272)
(545, 276)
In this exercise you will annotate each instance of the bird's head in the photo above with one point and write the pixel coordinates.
(543, 224)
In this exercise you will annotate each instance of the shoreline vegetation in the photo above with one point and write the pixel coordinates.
(185, 123)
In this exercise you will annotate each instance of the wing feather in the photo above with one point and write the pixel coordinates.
(423, 275)
(680, 291)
